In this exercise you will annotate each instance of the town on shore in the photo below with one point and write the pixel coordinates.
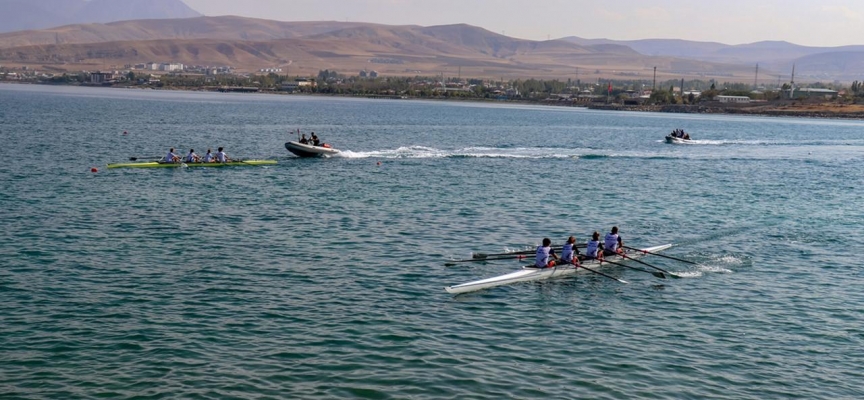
(821, 100)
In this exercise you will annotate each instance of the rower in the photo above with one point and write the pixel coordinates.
(592, 250)
(192, 157)
(612, 243)
(314, 140)
(208, 158)
(303, 139)
(222, 157)
(543, 253)
(569, 252)
(171, 157)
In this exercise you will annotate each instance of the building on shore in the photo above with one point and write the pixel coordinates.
(732, 99)
(298, 84)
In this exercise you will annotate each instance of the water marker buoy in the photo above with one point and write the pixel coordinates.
(94, 169)
(379, 162)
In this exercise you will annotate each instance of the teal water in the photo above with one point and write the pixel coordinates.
(324, 278)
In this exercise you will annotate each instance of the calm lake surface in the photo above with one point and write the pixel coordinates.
(323, 278)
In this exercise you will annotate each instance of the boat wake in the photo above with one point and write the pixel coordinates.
(467, 152)
(762, 142)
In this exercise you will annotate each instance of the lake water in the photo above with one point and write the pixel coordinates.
(323, 278)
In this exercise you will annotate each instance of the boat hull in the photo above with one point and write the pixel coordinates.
(527, 274)
(675, 140)
(154, 164)
(305, 150)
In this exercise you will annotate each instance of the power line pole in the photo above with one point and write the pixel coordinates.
(756, 79)
(654, 85)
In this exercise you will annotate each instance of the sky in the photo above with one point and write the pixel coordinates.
(803, 22)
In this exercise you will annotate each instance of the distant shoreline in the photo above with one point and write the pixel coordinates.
(791, 109)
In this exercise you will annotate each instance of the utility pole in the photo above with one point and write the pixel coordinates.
(756, 79)
(792, 83)
(654, 85)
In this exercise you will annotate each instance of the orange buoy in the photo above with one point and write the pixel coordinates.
(94, 169)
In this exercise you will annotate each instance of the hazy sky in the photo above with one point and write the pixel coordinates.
(805, 22)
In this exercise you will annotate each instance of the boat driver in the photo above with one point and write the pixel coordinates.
(303, 139)
(314, 140)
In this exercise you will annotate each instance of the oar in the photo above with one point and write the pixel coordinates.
(657, 274)
(452, 263)
(600, 273)
(142, 158)
(647, 265)
(484, 255)
(661, 255)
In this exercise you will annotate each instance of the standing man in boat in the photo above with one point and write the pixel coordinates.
(544, 251)
(171, 157)
(222, 157)
(594, 248)
(314, 140)
(612, 243)
(192, 157)
(569, 252)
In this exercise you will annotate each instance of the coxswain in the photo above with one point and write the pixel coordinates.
(222, 157)
(171, 157)
(543, 253)
(208, 158)
(569, 252)
(314, 140)
(192, 157)
(612, 243)
(594, 247)
(303, 139)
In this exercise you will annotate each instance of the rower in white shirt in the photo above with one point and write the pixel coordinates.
(192, 157)
(171, 157)
(543, 253)
(222, 157)
(593, 248)
(569, 253)
(612, 243)
(208, 158)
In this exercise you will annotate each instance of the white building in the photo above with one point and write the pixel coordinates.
(733, 99)
(171, 67)
(270, 70)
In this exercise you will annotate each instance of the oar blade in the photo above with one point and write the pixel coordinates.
(659, 275)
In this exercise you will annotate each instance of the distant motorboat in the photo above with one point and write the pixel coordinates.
(676, 140)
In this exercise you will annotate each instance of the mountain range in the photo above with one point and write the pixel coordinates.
(307, 47)
(843, 62)
(20, 15)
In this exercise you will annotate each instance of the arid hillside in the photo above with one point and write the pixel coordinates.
(307, 47)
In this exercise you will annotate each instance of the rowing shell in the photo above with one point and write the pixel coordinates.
(155, 164)
(529, 273)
